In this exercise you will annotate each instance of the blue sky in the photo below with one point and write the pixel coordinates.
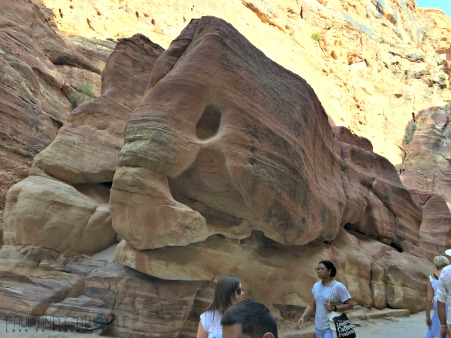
(444, 5)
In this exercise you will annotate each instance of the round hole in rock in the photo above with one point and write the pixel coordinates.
(209, 122)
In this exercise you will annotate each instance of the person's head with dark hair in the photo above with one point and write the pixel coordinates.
(329, 268)
(248, 319)
(228, 291)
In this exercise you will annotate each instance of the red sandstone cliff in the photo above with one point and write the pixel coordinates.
(209, 158)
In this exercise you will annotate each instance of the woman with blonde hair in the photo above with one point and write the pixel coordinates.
(433, 323)
(228, 291)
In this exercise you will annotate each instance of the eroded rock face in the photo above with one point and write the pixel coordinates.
(396, 285)
(49, 213)
(376, 198)
(86, 147)
(371, 63)
(53, 289)
(36, 67)
(67, 193)
(205, 173)
(426, 165)
(257, 259)
(377, 203)
(438, 32)
(247, 148)
(435, 230)
(229, 166)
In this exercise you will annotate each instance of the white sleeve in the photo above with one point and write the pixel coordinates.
(444, 285)
(442, 292)
(343, 293)
(205, 319)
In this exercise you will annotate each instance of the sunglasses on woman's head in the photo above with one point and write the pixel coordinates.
(239, 291)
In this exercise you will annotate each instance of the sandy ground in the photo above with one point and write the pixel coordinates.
(413, 326)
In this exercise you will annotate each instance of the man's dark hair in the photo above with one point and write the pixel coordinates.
(254, 317)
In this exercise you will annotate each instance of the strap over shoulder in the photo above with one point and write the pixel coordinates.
(332, 285)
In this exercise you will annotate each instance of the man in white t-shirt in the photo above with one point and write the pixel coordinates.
(443, 297)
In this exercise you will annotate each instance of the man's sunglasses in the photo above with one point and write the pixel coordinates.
(239, 291)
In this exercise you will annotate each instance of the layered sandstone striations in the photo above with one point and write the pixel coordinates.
(243, 146)
(435, 229)
(224, 141)
(371, 63)
(64, 203)
(229, 165)
(48, 292)
(40, 72)
(221, 155)
(426, 171)
(426, 165)
(233, 155)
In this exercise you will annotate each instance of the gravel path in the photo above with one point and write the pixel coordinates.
(413, 326)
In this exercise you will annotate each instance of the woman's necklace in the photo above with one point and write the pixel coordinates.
(327, 283)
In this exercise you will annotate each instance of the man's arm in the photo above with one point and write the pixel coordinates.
(442, 298)
(444, 331)
(429, 298)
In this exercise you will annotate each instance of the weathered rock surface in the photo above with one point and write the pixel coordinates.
(396, 284)
(438, 31)
(435, 229)
(372, 63)
(241, 143)
(283, 286)
(63, 204)
(63, 291)
(376, 198)
(212, 166)
(426, 171)
(426, 165)
(49, 213)
(230, 166)
(244, 159)
(39, 71)
(66, 292)
(86, 147)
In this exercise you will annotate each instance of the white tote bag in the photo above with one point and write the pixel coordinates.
(340, 320)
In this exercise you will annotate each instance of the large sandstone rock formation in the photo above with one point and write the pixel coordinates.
(63, 204)
(235, 139)
(372, 63)
(426, 170)
(229, 165)
(263, 157)
(40, 72)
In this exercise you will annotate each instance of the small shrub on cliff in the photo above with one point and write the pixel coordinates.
(316, 36)
(84, 93)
